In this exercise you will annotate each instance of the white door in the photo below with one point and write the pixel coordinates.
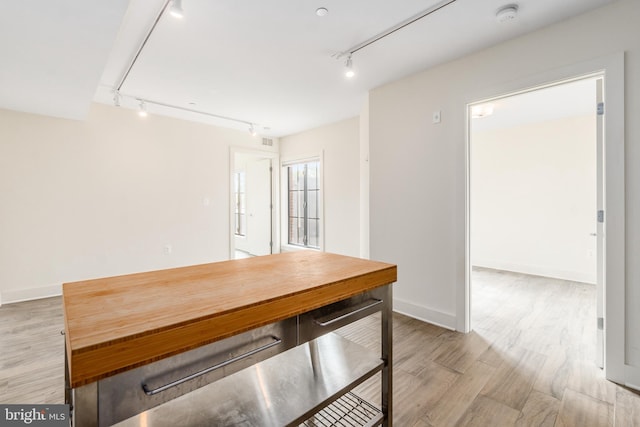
(622, 336)
(259, 206)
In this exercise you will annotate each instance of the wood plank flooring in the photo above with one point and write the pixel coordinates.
(528, 362)
(32, 352)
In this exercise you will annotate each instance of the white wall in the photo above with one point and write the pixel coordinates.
(101, 197)
(533, 201)
(364, 180)
(339, 143)
(418, 168)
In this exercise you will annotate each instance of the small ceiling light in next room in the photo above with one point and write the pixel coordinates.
(176, 9)
(482, 110)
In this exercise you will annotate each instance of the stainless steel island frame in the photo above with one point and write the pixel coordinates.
(263, 354)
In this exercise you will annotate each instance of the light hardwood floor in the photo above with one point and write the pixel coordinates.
(529, 361)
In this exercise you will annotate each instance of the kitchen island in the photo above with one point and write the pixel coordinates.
(141, 343)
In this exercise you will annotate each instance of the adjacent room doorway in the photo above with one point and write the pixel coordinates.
(536, 188)
(252, 217)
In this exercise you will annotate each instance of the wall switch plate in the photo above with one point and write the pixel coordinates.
(436, 117)
(168, 249)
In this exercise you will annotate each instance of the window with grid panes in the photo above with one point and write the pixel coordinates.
(304, 204)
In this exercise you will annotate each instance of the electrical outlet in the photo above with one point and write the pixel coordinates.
(168, 249)
(436, 117)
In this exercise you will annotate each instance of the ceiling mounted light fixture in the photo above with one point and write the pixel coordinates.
(176, 9)
(482, 110)
(349, 73)
(252, 130)
(143, 109)
(116, 98)
(507, 13)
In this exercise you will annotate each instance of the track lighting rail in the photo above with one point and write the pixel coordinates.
(395, 28)
(139, 51)
(143, 101)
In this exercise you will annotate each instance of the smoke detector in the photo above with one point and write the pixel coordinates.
(322, 11)
(507, 13)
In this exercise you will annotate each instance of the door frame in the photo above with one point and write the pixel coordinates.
(612, 68)
(275, 185)
(600, 230)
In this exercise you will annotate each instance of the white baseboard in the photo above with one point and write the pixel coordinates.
(19, 295)
(574, 276)
(425, 314)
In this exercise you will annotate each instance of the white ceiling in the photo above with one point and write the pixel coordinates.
(265, 62)
(52, 53)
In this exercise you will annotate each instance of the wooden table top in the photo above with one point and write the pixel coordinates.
(118, 323)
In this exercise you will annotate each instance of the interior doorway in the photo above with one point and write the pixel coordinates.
(252, 217)
(536, 186)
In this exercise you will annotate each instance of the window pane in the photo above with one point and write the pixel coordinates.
(300, 177)
(312, 175)
(240, 202)
(314, 233)
(293, 230)
(312, 204)
(291, 207)
(300, 210)
(292, 182)
(293, 203)
(296, 204)
(296, 177)
(242, 224)
(296, 232)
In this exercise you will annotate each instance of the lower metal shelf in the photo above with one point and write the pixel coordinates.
(348, 411)
(285, 390)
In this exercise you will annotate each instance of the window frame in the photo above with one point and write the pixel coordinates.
(284, 166)
(239, 204)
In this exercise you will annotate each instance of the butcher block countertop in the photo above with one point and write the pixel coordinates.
(118, 323)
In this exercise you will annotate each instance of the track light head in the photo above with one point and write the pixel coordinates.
(143, 109)
(176, 9)
(116, 98)
(349, 73)
(252, 130)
